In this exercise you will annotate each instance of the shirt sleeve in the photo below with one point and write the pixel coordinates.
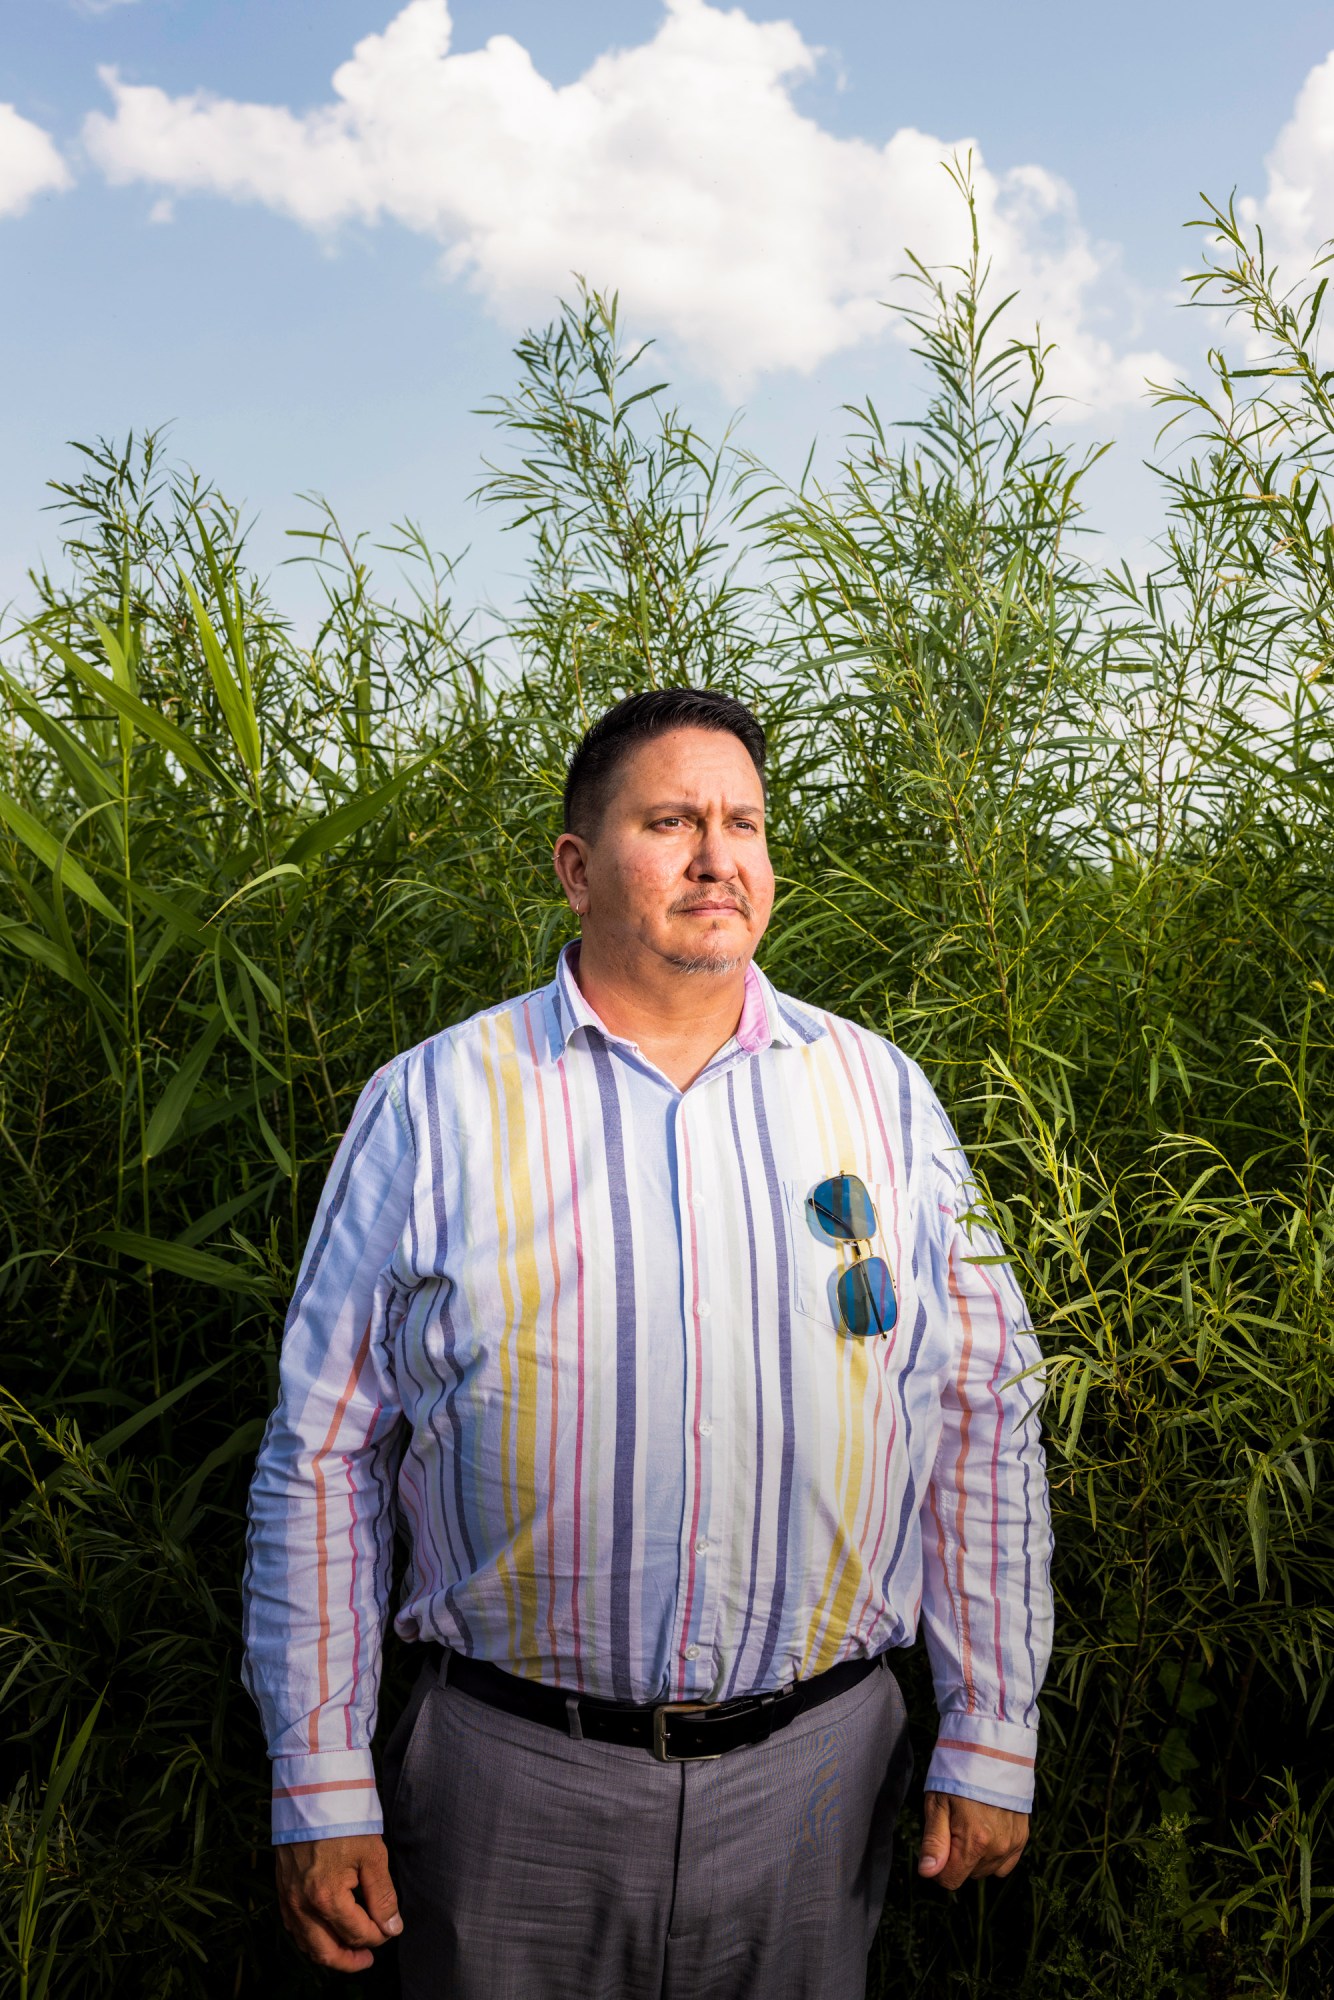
(986, 1527)
(320, 1542)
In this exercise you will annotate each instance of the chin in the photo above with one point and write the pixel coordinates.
(716, 962)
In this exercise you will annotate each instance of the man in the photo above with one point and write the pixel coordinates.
(649, 1306)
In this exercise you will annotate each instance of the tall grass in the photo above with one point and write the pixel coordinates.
(1066, 835)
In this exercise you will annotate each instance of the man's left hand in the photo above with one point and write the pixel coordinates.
(962, 1839)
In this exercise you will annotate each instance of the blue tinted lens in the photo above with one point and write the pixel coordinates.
(843, 1209)
(866, 1298)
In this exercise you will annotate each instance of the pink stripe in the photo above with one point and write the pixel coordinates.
(423, 1551)
(933, 1502)
(874, 1559)
(995, 1483)
(983, 1750)
(961, 1500)
(752, 1030)
(858, 1624)
(322, 1534)
(329, 1785)
(352, 1580)
(575, 1578)
(555, 1326)
(699, 1379)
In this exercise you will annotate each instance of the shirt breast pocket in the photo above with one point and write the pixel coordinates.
(818, 1261)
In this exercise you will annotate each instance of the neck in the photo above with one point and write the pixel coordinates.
(679, 1019)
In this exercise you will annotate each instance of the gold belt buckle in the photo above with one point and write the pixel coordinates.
(660, 1715)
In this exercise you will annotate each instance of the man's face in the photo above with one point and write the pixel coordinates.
(678, 866)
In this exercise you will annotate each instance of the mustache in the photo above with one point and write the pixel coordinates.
(737, 899)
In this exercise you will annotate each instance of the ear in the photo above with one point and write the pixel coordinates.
(569, 858)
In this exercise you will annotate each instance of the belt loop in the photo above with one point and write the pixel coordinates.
(446, 1655)
(572, 1711)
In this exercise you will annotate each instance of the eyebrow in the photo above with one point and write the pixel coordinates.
(692, 806)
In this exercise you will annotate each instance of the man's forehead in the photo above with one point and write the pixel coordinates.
(693, 765)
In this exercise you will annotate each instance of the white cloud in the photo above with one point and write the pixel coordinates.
(29, 163)
(1297, 207)
(680, 171)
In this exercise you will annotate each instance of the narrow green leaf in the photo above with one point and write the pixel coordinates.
(201, 1265)
(81, 767)
(243, 1440)
(47, 952)
(117, 657)
(175, 1099)
(346, 819)
(237, 708)
(112, 1440)
(282, 1158)
(150, 720)
(57, 858)
(64, 1772)
(1257, 1516)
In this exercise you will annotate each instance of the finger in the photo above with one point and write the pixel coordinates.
(968, 1849)
(333, 1905)
(958, 1868)
(377, 1893)
(982, 1859)
(935, 1852)
(317, 1941)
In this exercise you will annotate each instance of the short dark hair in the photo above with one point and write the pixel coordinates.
(605, 747)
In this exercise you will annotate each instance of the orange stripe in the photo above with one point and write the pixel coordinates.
(554, 1255)
(329, 1785)
(322, 1530)
(982, 1750)
(961, 1492)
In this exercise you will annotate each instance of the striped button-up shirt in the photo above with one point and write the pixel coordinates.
(571, 1329)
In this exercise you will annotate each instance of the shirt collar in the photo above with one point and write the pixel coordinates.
(769, 1019)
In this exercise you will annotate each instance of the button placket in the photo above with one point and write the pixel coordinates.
(696, 1606)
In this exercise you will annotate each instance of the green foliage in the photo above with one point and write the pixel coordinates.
(1067, 836)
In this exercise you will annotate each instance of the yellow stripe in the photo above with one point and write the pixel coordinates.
(846, 1559)
(829, 1159)
(530, 1301)
(504, 1562)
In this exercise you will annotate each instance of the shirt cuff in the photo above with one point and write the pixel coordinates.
(977, 1757)
(327, 1793)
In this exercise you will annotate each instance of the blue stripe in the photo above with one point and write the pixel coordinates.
(784, 1287)
(331, 1213)
(752, 1589)
(451, 1460)
(911, 1507)
(803, 1027)
(623, 1468)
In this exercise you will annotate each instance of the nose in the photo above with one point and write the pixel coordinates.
(713, 860)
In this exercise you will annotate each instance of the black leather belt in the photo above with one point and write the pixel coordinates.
(673, 1730)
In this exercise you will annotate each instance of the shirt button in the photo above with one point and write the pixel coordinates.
(701, 1543)
(705, 1427)
(703, 1309)
(692, 1652)
(699, 1201)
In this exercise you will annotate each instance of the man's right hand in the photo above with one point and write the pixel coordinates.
(317, 1895)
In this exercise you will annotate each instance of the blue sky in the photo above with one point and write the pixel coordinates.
(316, 289)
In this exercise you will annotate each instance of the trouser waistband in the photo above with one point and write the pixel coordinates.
(672, 1731)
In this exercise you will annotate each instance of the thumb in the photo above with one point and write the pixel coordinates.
(935, 1835)
(377, 1891)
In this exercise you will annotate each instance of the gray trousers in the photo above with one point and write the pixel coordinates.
(533, 1867)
